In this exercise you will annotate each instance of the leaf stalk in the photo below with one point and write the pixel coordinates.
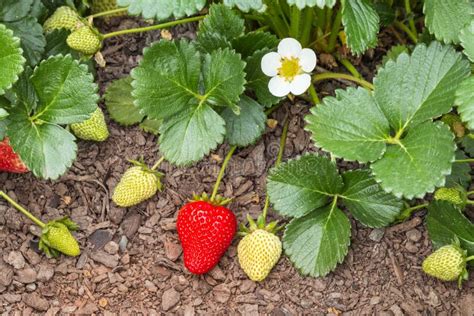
(221, 172)
(20, 208)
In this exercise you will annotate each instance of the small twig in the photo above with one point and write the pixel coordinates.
(396, 268)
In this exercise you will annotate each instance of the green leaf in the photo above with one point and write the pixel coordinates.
(219, 28)
(245, 128)
(162, 9)
(245, 5)
(393, 53)
(419, 87)
(33, 41)
(386, 13)
(250, 43)
(311, 3)
(119, 102)
(361, 25)
(14, 10)
(56, 44)
(445, 222)
(317, 242)
(3, 128)
(66, 91)
(151, 126)
(465, 101)
(187, 137)
(367, 201)
(350, 125)
(301, 186)
(257, 81)
(11, 58)
(167, 78)
(467, 41)
(445, 19)
(223, 78)
(460, 173)
(47, 149)
(3, 113)
(468, 144)
(409, 168)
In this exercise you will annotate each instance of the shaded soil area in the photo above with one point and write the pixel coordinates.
(132, 260)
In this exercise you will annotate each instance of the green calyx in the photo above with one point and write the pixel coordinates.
(145, 168)
(56, 238)
(217, 201)
(253, 225)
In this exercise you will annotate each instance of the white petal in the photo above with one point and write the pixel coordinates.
(270, 64)
(307, 59)
(289, 47)
(279, 87)
(300, 84)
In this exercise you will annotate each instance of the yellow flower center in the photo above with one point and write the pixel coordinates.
(290, 68)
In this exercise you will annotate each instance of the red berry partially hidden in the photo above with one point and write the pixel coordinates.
(9, 160)
(205, 232)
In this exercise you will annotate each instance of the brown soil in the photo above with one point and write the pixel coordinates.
(131, 261)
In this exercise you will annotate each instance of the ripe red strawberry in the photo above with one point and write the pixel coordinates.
(205, 231)
(9, 160)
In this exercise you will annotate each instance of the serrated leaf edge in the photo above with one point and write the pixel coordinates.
(20, 67)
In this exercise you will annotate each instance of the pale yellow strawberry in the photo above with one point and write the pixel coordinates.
(451, 195)
(94, 128)
(85, 40)
(63, 17)
(448, 263)
(106, 5)
(258, 253)
(137, 184)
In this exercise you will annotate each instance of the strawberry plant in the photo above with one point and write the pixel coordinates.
(393, 129)
(310, 190)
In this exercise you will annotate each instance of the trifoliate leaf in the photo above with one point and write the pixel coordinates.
(301, 4)
(317, 242)
(60, 91)
(465, 101)
(245, 5)
(14, 10)
(419, 87)
(301, 186)
(409, 167)
(119, 102)
(219, 28)
(247, 127)
(460, 173)
(66, 91)
(467, 41)
(250, 43)
(445, 19)
(445, 222)
(361, 25)
(33, 41)
(367, 201)
(11, 58)
(350, 125)
(187, 137)
(162, 9)
(257, 81)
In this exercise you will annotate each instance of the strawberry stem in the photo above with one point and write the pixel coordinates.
(334, 75)
(469, 258)
(221, 172)
(158, 163)
(281, 150)
(153, 27)
(465, 160)
(409, 211)
(109, 12)
(23, 210)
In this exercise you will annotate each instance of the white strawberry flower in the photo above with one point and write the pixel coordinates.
(289, 68)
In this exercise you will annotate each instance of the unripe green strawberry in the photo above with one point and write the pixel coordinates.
(451, 195)
(448, 263)
(63, 17)
(84, 40)
(56, 237)
(139, 183)
(106, 5)
(258, 252)
(94, 128)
